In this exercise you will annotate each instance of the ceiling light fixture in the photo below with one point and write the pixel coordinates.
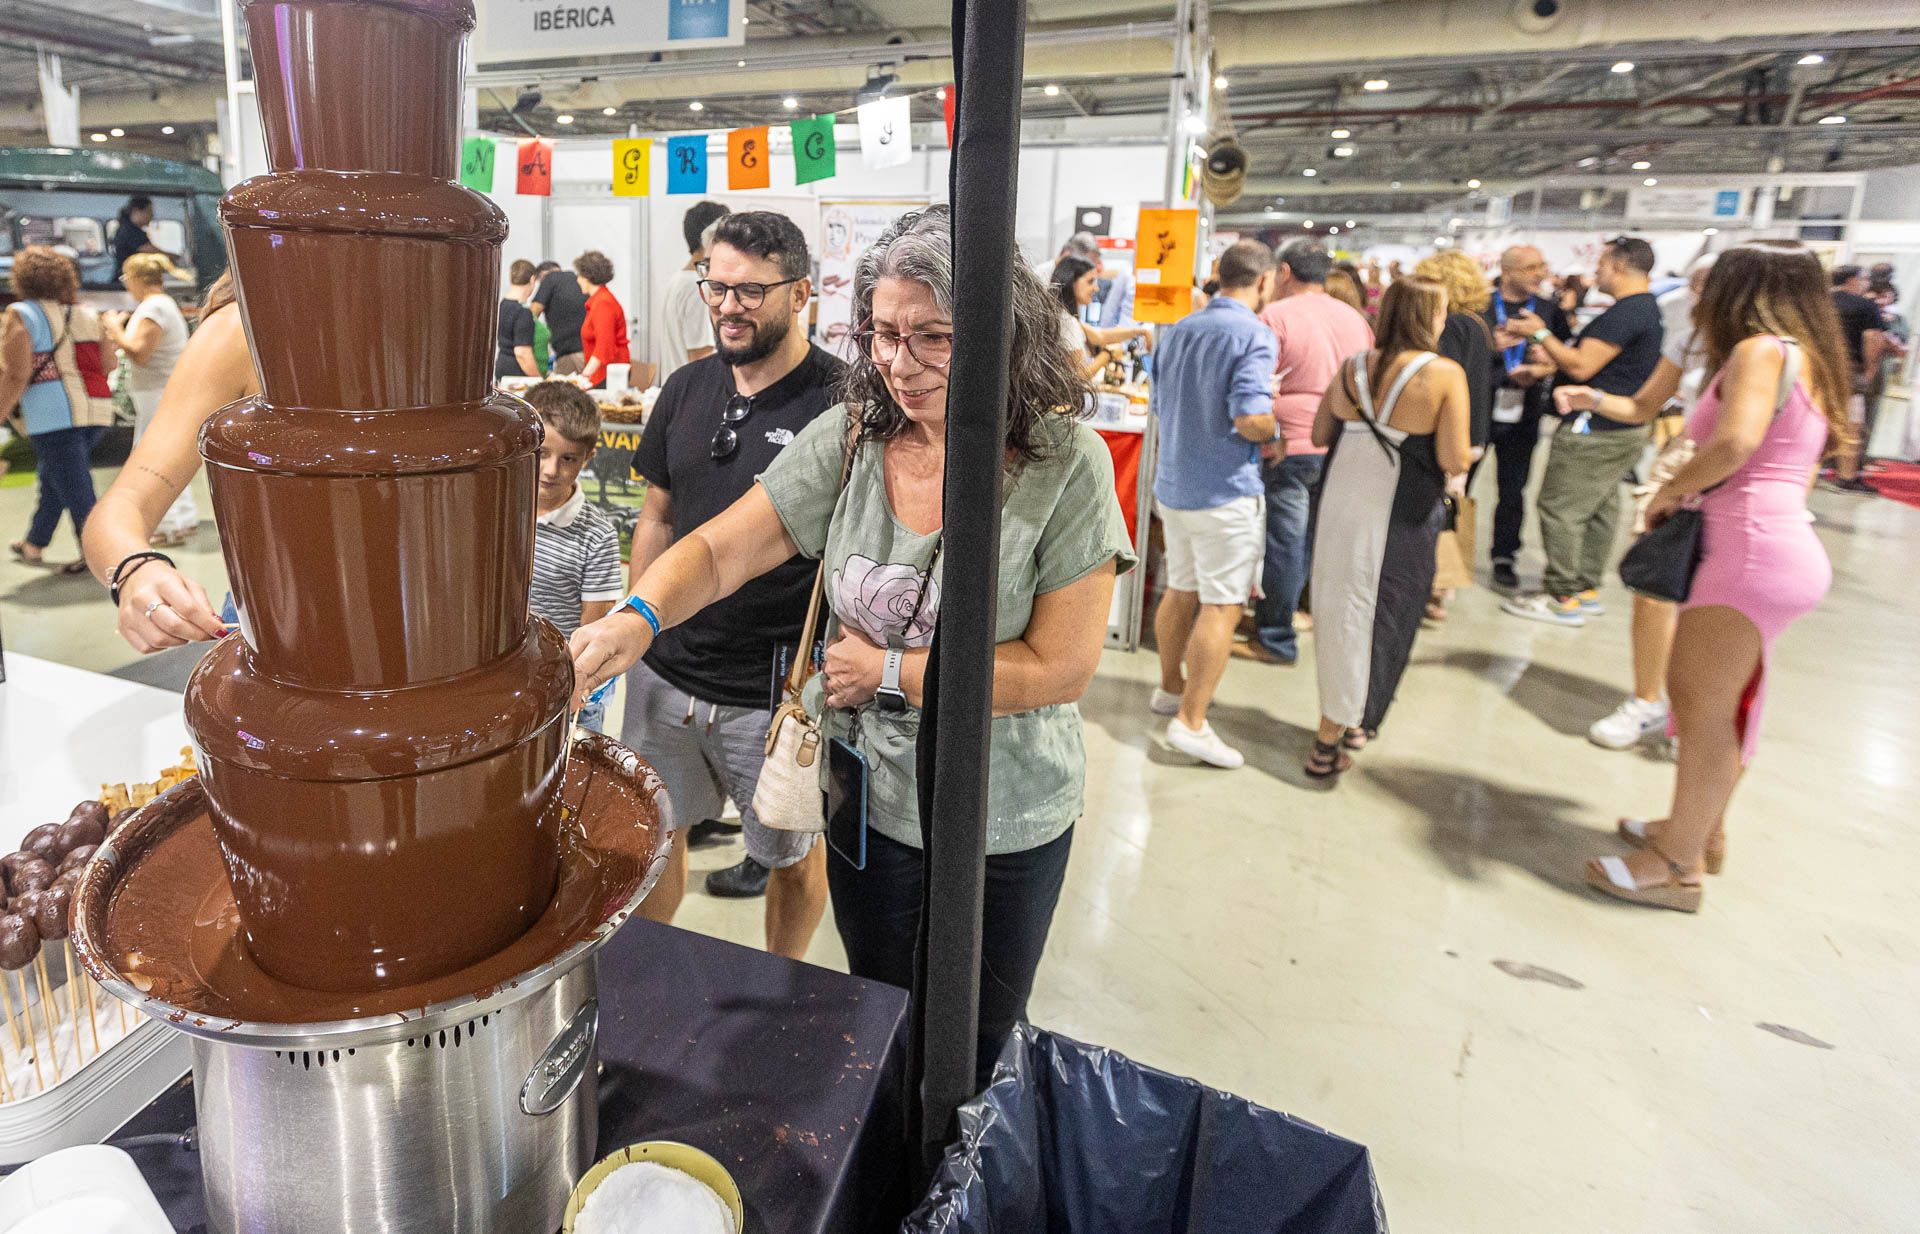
(1473, 184)
(1623, 66)
(1812, 57)
(1220, 83)
(740, 64)
(1394, 185)
(1833, 119)
(609, 111)
(1710, 231)
(116, 132)
(1341, 134)
(99, 136)
(1375, 84)
(1308, 223)
(1050, 90)
(563, 118)
(1334, 230)
(1309, 171)
(1642, 165)
(1650, 181)
(790, 103)
(1343, 152)
(166, 130)
(1587, 162)
(696, 105)
(1351, 224)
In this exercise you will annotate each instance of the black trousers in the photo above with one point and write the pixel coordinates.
(877, 911)
(1512, 446)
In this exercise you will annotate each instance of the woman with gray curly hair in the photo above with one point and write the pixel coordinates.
(1062, 543)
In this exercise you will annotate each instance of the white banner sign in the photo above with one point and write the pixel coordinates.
(847, 229)
(886, 132)
(512, 30)
(1704, 204)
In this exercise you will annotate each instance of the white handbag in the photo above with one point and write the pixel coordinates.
(788, 796)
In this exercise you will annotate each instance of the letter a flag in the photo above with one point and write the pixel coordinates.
(949, 98)
(813, 153)
(533, 166)
(687, 164)
(632, 175)
(886, 133)
(747, 159)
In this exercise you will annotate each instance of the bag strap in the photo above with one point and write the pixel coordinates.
(803, 655)
(1789, 372)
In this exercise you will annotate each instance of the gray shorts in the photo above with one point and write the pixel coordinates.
(706, 753)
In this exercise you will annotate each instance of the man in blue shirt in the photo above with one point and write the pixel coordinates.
(1213, 396)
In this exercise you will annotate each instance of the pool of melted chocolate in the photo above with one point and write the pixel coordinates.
(156, 910)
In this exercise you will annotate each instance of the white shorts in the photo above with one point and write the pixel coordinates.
(1219, 552)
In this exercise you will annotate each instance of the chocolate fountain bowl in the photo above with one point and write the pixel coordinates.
(472, 1111)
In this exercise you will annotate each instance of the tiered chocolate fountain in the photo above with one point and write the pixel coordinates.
(377, 908)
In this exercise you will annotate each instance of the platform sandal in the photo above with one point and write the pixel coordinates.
(1356, 738)
(1634, 832)
(1612, 876)
(1328, 760)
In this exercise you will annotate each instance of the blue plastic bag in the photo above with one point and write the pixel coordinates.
(1077, 1139)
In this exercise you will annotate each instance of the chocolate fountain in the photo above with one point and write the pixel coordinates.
(377, 908)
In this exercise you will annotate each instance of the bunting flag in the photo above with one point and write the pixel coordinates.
(687, 164)
(813, 150)
(949, 99)
(632, 167)
(886, 132)
(533, 163)
(747, 161)
(476, 163)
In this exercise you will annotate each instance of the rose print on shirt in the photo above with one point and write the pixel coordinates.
(877, 598)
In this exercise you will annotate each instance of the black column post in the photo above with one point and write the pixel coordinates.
(989, 38)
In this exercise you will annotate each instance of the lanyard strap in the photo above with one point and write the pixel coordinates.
(1514, 355)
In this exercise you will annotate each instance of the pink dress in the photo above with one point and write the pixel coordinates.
(1758, 551)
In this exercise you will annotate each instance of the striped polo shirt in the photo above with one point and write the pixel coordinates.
(576, 560)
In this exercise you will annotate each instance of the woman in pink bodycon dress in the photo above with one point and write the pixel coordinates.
(1773, 410)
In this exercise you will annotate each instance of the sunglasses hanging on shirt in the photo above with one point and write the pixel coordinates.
(726, 442)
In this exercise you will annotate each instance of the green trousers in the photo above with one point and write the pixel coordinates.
(1580, 503)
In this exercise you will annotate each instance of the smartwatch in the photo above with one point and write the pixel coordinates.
(890, 697)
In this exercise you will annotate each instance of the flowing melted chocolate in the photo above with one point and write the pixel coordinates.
(172, 929)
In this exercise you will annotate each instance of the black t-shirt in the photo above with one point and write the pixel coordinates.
(1633, 325)
(565, 308)
(1467, 343)
(1548, 310)
(516, 330)
(725, 653)
(130, 238)
(1857, 316)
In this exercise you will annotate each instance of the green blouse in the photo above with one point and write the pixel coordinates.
(1061, 523)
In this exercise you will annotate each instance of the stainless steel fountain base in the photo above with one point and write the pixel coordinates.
(478, 1127)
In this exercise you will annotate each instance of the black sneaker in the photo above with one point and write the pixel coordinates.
(1855, 485)
(741, 882)
(1504, 577)
(711, 831)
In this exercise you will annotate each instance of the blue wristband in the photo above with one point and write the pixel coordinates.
(645, 610)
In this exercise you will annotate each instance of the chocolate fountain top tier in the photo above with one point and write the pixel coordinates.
(402, 55)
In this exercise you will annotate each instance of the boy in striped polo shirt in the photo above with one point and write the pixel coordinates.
(576, 549)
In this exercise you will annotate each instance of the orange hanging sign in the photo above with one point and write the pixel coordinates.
(1163, 254)
(1161, 305)
(747, 162)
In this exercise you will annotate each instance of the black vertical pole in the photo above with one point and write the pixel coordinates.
(989, 39)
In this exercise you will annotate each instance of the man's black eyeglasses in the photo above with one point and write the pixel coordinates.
(750, 295)
(726, 442)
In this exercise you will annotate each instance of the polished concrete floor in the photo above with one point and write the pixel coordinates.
(1409, 959)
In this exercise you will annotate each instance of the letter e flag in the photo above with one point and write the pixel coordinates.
(747, 159)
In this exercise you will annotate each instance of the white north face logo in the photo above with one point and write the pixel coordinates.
(780, 436)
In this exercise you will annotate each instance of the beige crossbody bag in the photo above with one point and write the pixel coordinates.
(788, 797)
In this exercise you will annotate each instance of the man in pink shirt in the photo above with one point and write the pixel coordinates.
(1315, 332)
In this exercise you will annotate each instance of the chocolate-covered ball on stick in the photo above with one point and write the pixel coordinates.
(93, 812)
(33, 874)
(73, 862)
(54, 920)
(19, 943)
(43, 841)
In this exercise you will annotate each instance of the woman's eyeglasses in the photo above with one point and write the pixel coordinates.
(726, 442)
(928, 348)
(749, 295)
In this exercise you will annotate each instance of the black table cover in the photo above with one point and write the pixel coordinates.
(789, 1074)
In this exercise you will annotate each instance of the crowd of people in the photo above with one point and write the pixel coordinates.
(1351, 434)
(1318, 428)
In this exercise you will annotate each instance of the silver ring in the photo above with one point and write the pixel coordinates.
(148, 611)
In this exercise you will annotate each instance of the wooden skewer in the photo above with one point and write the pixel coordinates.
(12, 1025)
(46, 1010)
(26, 1013)
(6, 1077)
(86, 990)
(73, 1008)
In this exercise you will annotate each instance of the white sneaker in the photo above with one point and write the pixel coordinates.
(1163, 703)
(1631, 723)
(1546, 608)
(1204, 745)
